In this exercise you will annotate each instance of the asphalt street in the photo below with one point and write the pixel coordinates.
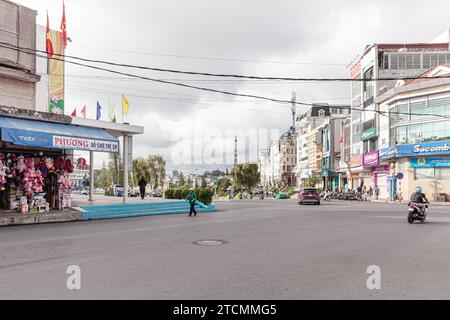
(273, 250)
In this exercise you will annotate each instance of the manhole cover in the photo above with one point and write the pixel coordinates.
(210, 243)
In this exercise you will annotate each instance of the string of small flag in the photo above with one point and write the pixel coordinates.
(112, 116)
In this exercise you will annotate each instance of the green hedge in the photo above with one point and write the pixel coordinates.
(169, 194)
(203, 195)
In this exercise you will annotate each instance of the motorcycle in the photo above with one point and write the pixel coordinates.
(261, 196)
(325, 196)
(415, 213)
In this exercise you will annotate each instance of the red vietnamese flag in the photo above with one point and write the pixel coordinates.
(48, 42)
(64, 27)
(74, 113)
(83, 111)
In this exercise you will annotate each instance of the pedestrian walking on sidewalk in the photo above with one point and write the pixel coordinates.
(142, 186)
(192, 198)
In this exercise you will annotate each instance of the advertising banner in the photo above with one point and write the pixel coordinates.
(56, 75)
(423, 149)
(74, 143)
(371, 159)
(430, 162)
(46, 140)
(356, 161)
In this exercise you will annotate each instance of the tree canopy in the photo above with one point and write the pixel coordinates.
(246, 176)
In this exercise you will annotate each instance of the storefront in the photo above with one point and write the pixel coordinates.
(426, 165)
(356, 172)
(36, 162)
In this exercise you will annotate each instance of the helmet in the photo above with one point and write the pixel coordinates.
(419, 190)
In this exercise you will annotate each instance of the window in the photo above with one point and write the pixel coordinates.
(423, 132)
(402, 135)
(432, 173)
(440, 106)
(400, 113)
(321, 113)
(368, 85)
(420, 110)
(385, 61)
(424, 174)
(394, 61)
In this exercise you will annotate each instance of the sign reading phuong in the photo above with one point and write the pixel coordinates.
(46, 140)
(62, 142)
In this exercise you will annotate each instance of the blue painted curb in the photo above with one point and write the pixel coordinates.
(142, 210)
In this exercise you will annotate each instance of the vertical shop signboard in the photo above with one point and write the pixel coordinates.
(56, 75)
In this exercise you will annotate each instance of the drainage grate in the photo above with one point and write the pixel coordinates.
(210, 243)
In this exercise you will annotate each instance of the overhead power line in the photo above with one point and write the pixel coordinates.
(24, 49)
(281, 101)
(213, 58)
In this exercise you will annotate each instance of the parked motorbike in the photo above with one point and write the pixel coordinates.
(325, 196)
(415, 213)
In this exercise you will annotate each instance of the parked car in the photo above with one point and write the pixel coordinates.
(309, 195)
(119, 192)
(157, 194)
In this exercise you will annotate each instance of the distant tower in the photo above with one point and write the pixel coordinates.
(294, 108)
(235, 151)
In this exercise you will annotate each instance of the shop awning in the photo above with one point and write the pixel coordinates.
(31, 133)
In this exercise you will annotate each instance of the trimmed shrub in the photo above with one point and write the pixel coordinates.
(205, 195)
(178, 194)
(184, 194)
(169, 194)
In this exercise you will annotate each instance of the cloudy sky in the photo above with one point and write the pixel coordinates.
(258, 37)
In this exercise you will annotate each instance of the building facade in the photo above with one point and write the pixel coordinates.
(382, 61)
(318, 135)
(414, 145)
(18, 75)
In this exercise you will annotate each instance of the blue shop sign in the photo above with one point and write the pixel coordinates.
(424, 149)
(430, 162)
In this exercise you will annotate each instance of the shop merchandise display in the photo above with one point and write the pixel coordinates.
(34, 184)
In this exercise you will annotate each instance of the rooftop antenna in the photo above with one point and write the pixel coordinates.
(294, 108)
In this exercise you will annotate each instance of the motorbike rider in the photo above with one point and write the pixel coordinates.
(419, 199)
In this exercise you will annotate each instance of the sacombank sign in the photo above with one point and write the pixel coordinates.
(419, 149)
(425, 149)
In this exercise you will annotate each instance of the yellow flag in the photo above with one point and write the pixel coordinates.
(125, 105)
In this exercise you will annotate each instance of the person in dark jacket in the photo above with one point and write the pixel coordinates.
(419, 196)
(142, 186)
(420, 200)
(192, 198)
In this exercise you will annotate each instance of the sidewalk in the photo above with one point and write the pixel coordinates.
(444, 204)
(102, 208)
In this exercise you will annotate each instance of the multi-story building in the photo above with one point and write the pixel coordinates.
(318, 136)
(414, 140)
(265, 168)
(18, 75)
(288, 158)
(277, 164)
(332, 141)
(275, 170)
(383, 61)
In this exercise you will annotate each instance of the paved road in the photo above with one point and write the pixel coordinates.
(276, 250)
